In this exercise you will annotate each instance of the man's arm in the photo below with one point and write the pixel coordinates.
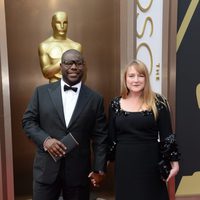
(99, 144)
(30, 122)
(31, 126)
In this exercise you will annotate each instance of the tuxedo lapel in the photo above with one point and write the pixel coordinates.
(55, 94)
(81, 102)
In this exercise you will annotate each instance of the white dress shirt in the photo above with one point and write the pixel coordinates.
(69, 99)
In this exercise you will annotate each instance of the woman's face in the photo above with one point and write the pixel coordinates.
(135, 81)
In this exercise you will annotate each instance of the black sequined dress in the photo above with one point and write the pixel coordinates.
(137, 155)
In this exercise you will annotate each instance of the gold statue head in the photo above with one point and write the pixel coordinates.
(59, 24)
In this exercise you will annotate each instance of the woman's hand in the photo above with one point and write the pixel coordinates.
(174, 171)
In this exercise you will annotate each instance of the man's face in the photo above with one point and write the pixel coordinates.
(59, 24)
(72, 67)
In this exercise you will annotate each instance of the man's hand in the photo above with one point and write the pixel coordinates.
(55, 147)
(96, 178)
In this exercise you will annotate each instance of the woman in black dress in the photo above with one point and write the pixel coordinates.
(138, 119)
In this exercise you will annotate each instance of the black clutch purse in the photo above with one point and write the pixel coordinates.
(164, 168)
(70, 142)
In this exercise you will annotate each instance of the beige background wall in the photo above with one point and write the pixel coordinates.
(94, 24)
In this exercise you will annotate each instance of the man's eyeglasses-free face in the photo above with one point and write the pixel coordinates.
(78, 63)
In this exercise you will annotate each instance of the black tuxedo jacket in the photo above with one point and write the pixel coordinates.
(44, 117)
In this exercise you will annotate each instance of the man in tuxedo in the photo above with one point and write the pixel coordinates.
(64, 119)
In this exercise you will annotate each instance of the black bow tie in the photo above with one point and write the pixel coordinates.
(66, 87)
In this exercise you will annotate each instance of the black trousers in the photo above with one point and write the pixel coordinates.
(59, 188)
(53, 192)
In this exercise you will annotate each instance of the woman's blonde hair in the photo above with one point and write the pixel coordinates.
(149, 97)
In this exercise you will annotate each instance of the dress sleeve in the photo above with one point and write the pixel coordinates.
(111, 124)
(164, 118)
(112, 135)
(168, 145)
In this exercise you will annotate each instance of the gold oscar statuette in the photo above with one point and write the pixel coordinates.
(51, 49)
